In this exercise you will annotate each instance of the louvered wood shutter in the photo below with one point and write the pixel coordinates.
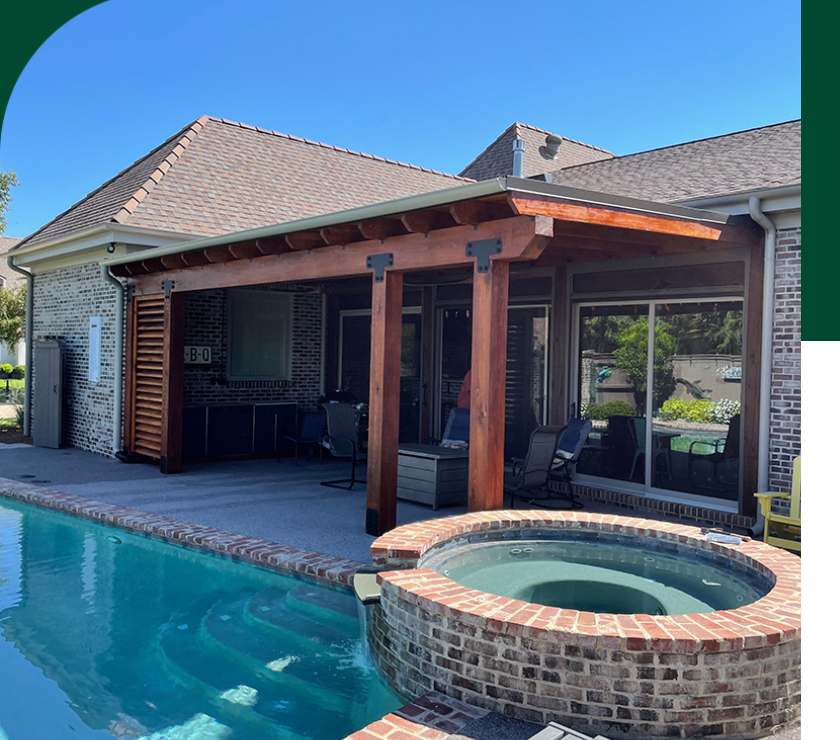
(147, 382)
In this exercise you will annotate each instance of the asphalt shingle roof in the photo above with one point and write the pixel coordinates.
(12, 278)
(497, 159)
(216, 176)
(764, 157)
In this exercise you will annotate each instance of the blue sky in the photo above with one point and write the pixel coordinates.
(431, 83)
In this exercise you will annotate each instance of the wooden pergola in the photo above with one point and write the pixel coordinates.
(488, 227)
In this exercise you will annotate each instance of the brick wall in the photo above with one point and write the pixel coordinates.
(206, 321)
(786, 403)
(65, 299)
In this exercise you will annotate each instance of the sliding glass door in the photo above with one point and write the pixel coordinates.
(663, 377)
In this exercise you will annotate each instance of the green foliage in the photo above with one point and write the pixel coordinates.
(600, 333)
(632, 357)
(699, 411)
(18, 373)
(8, 180)
(6, 370)
(19, 414)
(603, 411)
(12, 315)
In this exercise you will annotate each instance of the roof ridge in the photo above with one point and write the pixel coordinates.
(490, 146)
(343, 150)
(189, 133)
(567, 138)
(138, 197)
(683, 143)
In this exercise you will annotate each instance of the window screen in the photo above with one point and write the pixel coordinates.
(259, 335)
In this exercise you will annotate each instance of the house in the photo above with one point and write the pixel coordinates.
(566, 279)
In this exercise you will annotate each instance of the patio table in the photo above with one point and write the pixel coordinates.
(432, 475)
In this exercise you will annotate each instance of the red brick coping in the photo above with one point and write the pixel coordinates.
(733, 673)
(272, 555)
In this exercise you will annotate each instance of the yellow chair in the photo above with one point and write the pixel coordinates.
(785, 528)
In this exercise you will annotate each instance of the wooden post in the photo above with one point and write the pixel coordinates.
(487, 387)
(173, 383)
(384, 412)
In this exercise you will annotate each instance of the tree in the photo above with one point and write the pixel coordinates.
(632, 357)
(8, 180)
(12, 315)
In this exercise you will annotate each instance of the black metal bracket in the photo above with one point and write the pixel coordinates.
(378, 263)
(129, 293)
(167, 286)
(482, 250)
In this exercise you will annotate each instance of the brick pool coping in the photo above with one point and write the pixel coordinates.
(431, 717)
(774, 619)
(326, 569)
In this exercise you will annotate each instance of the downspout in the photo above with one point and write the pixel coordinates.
(119, 311)
(767, 314)
(27, 392)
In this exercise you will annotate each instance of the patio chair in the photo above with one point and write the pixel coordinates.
(530, 476)
(310, 432)
(573, 437)
(639, 429)
(342, 440)
(721, 466)
(779, 530)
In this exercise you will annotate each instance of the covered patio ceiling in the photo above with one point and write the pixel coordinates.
(489, 227)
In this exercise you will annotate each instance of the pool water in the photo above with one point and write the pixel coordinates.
(108, 634)
(603, 576)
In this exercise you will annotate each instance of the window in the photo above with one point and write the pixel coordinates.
(259, 335)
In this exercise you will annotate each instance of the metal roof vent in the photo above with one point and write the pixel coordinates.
(518, 157)
(552, 145)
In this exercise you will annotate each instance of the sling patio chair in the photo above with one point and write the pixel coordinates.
(573, 437)
(528, 477)
(342, 440)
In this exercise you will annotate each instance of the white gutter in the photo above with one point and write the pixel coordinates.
(119, 318)
(767, 314)
(27, 391)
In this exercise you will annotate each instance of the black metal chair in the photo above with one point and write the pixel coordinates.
(720, 468)
(342, 440)
(310, 432)
(530, 476)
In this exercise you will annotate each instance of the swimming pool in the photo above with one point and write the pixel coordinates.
(105, 633)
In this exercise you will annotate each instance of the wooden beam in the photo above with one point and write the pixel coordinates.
(472, 212)
(487, 387)
(173, 382)
(381, 228)
(219, 254)
(305, 240)
(155, 264)
(425, 221)
(122, 271)
(384, 413)
(245, 250)
(521, 236)
(341, 235)
(634, 220)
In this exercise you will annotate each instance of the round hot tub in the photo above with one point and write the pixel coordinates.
(619, 626)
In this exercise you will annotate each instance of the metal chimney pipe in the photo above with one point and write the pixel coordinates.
(518, 157)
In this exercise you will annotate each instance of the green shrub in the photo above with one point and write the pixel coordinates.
(700, 411)
(6, 370)
(602, 412)
(18, 373)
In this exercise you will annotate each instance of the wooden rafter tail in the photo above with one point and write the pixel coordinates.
(195, 259)
(471, 213)
(341, 235)
(220, 254)
(272, 245)
(423, 222)
(381, 228)
(305, 240)
(173, 261)
(245, 250)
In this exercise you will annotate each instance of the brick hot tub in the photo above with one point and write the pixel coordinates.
(728, 674)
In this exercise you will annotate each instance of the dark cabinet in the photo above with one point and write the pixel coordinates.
(237, 430)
